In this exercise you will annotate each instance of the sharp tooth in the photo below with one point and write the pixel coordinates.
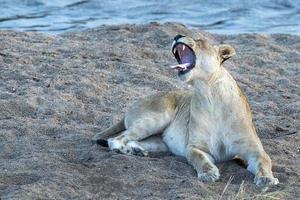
(174, 51)
(183, 47)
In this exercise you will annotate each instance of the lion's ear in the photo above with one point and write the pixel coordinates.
(225, 51)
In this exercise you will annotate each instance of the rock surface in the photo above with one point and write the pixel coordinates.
(56, 92)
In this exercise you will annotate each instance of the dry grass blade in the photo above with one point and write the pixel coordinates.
(226, 186)
(241, 192)
(241, 195)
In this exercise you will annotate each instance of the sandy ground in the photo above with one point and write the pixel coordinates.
(56, 92)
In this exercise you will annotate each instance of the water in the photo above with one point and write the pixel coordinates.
(217, 16)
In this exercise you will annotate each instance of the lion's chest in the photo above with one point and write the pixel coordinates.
(211, 130)
(217, 141)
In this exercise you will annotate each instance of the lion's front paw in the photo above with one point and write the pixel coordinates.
(264, 180)
(211, 175)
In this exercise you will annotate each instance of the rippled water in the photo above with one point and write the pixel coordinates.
(218, 16)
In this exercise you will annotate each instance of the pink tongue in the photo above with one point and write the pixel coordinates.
(181, 67)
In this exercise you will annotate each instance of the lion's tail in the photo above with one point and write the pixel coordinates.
(101, 138)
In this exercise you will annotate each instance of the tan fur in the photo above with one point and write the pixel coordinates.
(111, 131)
(212, 123)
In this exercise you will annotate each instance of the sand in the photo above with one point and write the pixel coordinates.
(56, 92)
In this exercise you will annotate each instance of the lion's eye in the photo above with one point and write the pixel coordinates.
(192, 44)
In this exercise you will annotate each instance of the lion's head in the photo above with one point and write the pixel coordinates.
(197, 59)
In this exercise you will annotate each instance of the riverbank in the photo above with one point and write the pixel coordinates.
(56, 92)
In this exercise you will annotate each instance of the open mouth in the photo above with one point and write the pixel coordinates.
(185, 57)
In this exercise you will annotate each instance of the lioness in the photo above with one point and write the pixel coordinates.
(213, 123)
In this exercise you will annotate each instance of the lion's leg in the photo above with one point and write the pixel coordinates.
(203, 164)
(259, 164)
(152, 144)
(139, 130)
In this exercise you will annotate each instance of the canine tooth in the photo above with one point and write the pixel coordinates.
(183, 47)
(174, 51)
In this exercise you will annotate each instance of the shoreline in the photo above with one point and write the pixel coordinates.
(145, 24)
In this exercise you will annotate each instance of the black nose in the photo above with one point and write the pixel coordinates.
(177, 37)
